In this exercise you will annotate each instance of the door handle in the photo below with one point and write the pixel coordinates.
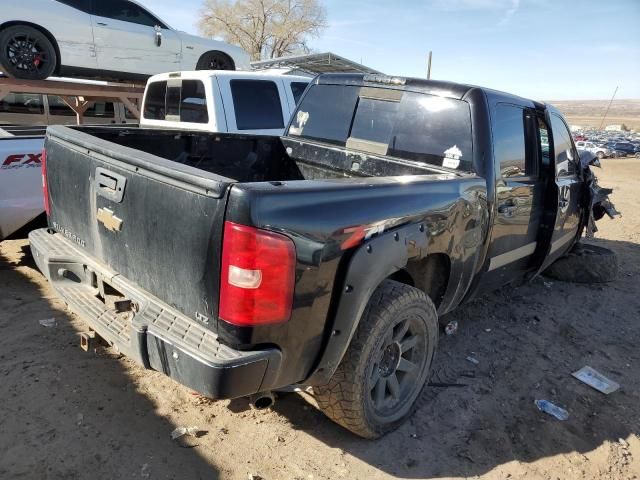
(102, 24)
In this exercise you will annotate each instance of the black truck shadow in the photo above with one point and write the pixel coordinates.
(69, 414)
(528, 341)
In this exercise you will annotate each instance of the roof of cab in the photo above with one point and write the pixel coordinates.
(432, 87)
(205, 74)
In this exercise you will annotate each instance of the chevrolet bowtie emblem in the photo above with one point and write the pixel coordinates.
(109, 220)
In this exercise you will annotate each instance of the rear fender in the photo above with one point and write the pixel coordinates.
(369, 265)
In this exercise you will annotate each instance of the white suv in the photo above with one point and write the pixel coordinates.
(599, 151)
(110, 39)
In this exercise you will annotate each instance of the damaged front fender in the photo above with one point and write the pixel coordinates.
(597, 197)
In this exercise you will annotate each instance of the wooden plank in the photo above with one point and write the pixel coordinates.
(54, 87)
(133, 108)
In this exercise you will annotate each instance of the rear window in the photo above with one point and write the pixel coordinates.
(408, 125)
(257, 104)
(183, 101)
(297, 89)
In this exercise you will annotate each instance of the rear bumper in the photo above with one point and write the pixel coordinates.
(152, 333)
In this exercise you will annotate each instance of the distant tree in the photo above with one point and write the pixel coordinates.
(264, 28)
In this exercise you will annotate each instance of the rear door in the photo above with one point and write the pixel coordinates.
(519, 196)
(568, 187)
(125, 38)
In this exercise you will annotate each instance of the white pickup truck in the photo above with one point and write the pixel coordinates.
(207, 100)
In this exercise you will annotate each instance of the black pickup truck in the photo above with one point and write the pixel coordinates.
(242, 265)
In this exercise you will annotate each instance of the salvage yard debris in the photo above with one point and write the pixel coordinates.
(596, 380)
(547, 407)
(182, 431)
(48, 322)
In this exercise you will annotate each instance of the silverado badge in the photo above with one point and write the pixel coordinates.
(109, 220)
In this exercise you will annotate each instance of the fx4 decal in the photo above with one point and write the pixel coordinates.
(20, 160)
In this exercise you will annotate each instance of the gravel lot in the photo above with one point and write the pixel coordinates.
(67, 414)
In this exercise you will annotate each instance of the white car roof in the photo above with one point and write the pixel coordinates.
(206, 74)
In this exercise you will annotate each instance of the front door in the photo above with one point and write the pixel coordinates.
(126, 38)
(568, 188)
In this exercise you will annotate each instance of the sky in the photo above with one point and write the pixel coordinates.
(540, 49)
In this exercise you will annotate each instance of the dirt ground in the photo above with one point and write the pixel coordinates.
(66, 414)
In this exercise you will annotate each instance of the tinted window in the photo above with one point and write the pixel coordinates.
(172, 101)
(124, 11)
(297, 89)
(508, 141)
(184, 101)
(408, 125)
(257, 104)
(433, 130)
(22, 103)
(565, 156)
(326, 113)
(193, 105)
(79, 4)
(154, 106)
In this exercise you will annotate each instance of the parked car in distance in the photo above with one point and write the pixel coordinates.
(599, 151)
(38, 109)
(221, 101)
(243, 264)
(628, 148)
(114, 39)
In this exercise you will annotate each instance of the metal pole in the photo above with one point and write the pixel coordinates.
(608, 107)
(429, 66)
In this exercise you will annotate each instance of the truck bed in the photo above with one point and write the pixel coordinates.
(247, 158)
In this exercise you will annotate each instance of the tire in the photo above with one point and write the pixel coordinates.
(26, 53)
(215, 61)
(384, 370)
(600, 155)
(585, 263)
(637, 155)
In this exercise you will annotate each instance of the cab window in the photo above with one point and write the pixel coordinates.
(297, 89)
(257, 104)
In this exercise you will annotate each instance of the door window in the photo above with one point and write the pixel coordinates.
(257, 104)
(565, 154)
(297, 89)
(125, 11)
(30, 103)
(82, 5)
(509, 141)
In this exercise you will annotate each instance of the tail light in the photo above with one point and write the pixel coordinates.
(45, 187)
(257, 277)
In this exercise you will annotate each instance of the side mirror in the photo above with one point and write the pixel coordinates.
(158, 30)
(587, 159)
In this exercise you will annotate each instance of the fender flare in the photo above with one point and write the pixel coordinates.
(369, 265)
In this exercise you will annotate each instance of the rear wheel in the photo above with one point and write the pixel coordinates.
(386, 366)
(600, 155)
(215, 61)
(26, 53)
